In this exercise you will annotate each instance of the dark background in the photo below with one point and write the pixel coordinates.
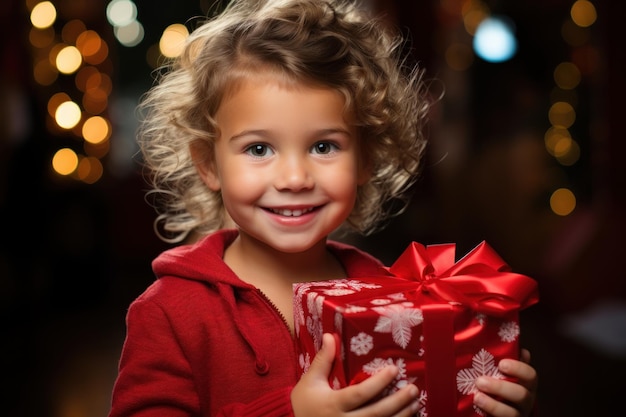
(75, 255)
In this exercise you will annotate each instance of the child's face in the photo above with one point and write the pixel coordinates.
(286, 162)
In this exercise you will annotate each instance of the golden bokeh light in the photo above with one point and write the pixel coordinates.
(87, 77)
(89, 43)
(98, 56)
(43, 15)
(96, 129)
(41, 38)
(95, 100)
(173, 39)
(562, 114)
(71, 30)
(65, 161)
(474, 12)
(553, 136)
(568, 154)
(567, 75)
(562, 202)
(89, 169)
(67, 115)
(44, 73)
(68, 60)
(583, 13)
(55, 101)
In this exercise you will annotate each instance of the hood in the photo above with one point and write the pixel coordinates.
(201, 261)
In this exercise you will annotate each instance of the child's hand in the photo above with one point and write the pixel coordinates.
(313, 396)
(517, 398)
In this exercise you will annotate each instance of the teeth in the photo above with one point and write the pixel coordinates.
(291, 213)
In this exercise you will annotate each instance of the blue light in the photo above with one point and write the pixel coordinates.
(494, 40)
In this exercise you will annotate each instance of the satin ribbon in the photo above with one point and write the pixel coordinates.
(481, 281)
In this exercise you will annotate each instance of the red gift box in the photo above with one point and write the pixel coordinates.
(442, 323)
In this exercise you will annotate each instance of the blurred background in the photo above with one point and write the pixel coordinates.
(527, 151)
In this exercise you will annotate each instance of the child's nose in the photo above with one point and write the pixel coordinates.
(293, 174)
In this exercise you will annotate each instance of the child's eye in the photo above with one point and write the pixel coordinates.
(259, 150)
(323, 148)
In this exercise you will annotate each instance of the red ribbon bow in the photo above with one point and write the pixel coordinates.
(481, 280)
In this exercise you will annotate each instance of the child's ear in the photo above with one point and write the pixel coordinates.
(204, 161)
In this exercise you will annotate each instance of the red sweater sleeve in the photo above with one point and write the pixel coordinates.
(276, 404)
(156, 379)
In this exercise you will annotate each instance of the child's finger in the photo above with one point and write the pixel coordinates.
(323, 360)
(525, 374)
(359, 394)
(493, 407)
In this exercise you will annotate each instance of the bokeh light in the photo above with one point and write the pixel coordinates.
(65, 161)
(96, 129)
(89, 169)
(494, 40)
(67, 115)
(173, 39)
(583, 13)
(121, 12)
(562, 201)
(131, 34)
(567, 75)
(68, 60)
(562, 114)
(43, 15)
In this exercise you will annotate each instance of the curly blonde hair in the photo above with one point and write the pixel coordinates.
(329, 43)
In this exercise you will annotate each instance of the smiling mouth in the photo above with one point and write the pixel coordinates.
(292, 213)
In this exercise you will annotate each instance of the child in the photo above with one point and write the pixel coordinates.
(287, 119)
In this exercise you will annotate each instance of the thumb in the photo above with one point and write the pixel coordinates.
(323, 360)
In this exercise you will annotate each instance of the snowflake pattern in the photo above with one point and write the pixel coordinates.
(401, 380)
(361, 344)
(509, 331)
(350, 309)
(399, 321)
(483, 363)
(305, 361)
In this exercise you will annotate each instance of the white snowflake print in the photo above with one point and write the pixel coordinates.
(361, 344)
(397, 296)
(481, 318)
(380, 301)
(352, 284)
(401, 379)
(305, 361)
(313, 321)
(509, 331)
(482, 364)
(350, 309)
(399, 321)
(421, 404)
(338, 292)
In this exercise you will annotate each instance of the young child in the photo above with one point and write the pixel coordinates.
(281, 122)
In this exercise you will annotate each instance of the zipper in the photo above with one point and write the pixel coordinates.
(276, 310)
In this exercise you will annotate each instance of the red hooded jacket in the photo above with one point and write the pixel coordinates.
(201, 342)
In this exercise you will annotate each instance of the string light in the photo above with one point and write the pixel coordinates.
(562, 114)
(78, 52)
